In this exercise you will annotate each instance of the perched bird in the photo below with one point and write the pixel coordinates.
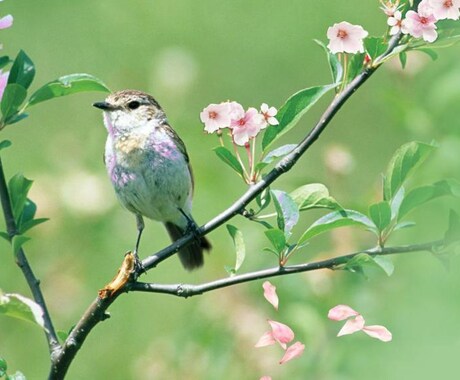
(149, 168)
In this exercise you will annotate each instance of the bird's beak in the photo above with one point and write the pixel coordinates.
(103, 106)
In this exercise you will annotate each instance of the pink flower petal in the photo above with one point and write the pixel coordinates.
(352, 325)
(281, 332)
(216, 116)
(270, 294)
(265, 378)
(378, 332)
(266, 340)
(6, 22)
(346, 38)
(293, 352)
(341, 312)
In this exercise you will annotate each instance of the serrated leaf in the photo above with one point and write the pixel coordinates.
(314, 195)
(375, 46)
(380, 214)
(17, 242)
(402, 165)
(18, 306)
(67, 85)
(19, 187)
(238, 242)
(424, 194)
(337, 219)
(278, 240)
(287, 211)
(23, 70)
(5, 144)
(291, 112)
(334, 64)
(12, 99)
(229, 158)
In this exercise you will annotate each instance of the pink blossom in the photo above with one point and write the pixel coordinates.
(421, 24)
(270, 294)
(378, 332)
(293, 351)
(216, 116)
(3, 82)
(6, 22)
(346, 38)
(341, 312)
(281, 333)
(265, 378)
(395, 22)
(352, 325)
(236, 111)
(269, 114)
(265, 340)
(247, 127)
(445, 9)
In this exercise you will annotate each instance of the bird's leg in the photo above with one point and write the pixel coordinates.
(140, 228)
(191, 226)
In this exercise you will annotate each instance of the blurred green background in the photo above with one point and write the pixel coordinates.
(189, 54)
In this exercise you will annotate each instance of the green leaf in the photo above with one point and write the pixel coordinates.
(403, 59)
(5, 144)
(287, 210)
(23, 70)
(402, 165)
(355, 66)
(277, 238)
(19, 187)
(12, 99)
(5, 60)
(361, 261)
(229, 158)
(5, 236)
(396, 202)
(26, 226)
(238, 242)
(380, 214)
(275, 154)
(334, 63)
(375, 46)
(18, 306)
(263, 199)
(337, 219)
(3, 367)
(291, 112)
(67, 85)
(17, 242)
(16, 118)
(424, 194)
(314, 195)
(430, 52)
(401, 225)
(385, 263)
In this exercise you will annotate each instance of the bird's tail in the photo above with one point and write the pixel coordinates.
(191, 256)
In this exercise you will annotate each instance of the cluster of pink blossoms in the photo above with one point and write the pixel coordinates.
(421, 24)
(244, 125)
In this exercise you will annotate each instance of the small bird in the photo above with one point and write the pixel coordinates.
(149, 168)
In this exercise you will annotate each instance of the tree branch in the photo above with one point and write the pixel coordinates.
(188, 290)
(23, 263)
(97, 310)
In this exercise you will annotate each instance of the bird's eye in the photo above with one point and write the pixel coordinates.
(133, 105)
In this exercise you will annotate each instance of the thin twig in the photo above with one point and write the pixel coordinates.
(188, 290)
(23, 263)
